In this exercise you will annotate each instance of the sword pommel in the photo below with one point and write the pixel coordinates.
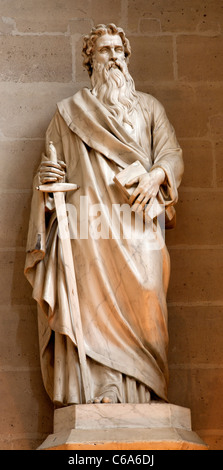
(52, 152)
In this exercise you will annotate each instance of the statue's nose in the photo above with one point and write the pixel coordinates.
(113, 54)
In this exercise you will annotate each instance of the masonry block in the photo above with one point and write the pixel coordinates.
(42, 16)
(38, 59)
(152, 58)
(201, 391)
(195, 275)
(199, 57)
(14, 288)
(15, 209)
(19, 336)
(186, 345)
(20, 160)
(32, 106)
(198, 163)
(105, 12)
(176, 16)
(24, 405)
(199, 219)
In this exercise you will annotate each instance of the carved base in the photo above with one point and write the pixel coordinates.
(154, 426)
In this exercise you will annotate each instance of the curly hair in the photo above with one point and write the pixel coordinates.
(100, 30)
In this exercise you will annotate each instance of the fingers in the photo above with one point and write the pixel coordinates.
(63, 164)
(51, 172)
(60, 166)
(48, 176)
(54, 171)
(134, 195)
(140, 202)
(147, 202)
(145, 192)
(48, 179)
(141, 197)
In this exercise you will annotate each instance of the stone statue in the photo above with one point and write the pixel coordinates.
(121, 280)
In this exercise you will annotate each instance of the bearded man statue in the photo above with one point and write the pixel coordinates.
(121, 281)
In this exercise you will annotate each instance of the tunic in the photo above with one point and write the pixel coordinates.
(122, 282)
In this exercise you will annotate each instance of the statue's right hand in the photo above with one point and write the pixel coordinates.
(50, 172)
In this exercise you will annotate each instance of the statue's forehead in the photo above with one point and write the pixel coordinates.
(109, 40)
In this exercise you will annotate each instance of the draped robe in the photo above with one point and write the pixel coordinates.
(122, 283)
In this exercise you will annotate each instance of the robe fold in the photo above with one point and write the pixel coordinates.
(122, 282)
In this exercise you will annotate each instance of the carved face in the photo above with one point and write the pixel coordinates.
(109, 48)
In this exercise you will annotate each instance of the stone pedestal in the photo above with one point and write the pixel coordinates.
(123, 426)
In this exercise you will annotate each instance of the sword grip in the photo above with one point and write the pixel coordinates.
(52, 152)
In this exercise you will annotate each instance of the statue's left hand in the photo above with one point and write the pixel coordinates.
(148, 187)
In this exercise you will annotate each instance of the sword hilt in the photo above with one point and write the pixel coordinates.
(52, 152)
(56, 187)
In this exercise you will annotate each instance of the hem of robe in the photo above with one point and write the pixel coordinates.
(159, 389)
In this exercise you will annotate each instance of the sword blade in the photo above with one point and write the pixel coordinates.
(63, 226)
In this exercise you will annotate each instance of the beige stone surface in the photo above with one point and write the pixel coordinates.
(14, 216)
(36, 58)
(159, 53)
(31, 16)
(122, 415)
(206, 58)
(198, 154)
(27, 407)
(125, 439)
(177, 16)
(15, 156)
(19, 345)
(195, 274)
(29, 99)
(123, 426)
(199, 218)
(186, 346)
(14, 290)
(198, 384)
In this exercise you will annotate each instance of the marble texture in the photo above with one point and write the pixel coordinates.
(125, 439)
(135, 427)
(112, 416)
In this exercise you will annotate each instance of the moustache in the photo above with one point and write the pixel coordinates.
(114, 65)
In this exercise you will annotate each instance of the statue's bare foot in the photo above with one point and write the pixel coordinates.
(96, 400)
(105, 399)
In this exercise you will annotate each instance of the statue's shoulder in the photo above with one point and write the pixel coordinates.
(81, 94)
(149, 101)
(70, 99)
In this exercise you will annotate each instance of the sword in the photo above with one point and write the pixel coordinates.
(59, 189)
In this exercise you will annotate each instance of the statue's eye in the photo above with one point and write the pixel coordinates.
(104, 49)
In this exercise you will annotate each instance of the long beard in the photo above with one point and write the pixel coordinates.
(115, 89)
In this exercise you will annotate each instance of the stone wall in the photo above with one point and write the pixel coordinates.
(177, 56)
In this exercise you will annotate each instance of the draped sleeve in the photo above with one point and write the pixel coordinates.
(166, 154)
(166, 150)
